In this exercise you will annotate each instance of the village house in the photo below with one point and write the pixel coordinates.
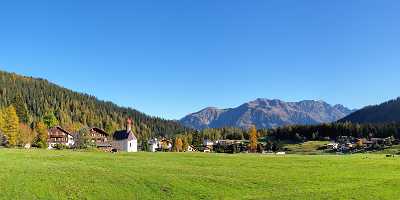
(332, 145)
(58, 135)
(207, 145)
(165, 144)
(100, 138)
(191, 148)
(154, 145)
(125, 140)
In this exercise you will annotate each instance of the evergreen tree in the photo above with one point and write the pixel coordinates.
(185, 143)
(11, 128)
(2, 122)
(3, 138)
(21, 109)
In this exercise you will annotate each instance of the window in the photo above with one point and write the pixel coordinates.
(130, 144)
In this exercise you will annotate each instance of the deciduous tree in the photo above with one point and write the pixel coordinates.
(253, 139)
(11, 128)
(26, 134)
(42, 135)
(178, 144)
(50, 120)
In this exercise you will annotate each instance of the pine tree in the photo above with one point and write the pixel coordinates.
(253, 139)
(3, 138)
(11, 128)
(21, 109)
(2, 122)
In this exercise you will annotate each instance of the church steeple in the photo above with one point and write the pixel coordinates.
(129, 125)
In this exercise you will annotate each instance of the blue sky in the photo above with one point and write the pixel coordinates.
(171, 58)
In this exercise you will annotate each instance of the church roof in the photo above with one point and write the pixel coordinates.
(123, 135)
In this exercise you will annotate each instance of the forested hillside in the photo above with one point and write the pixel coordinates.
(35, 98)
(384, 113)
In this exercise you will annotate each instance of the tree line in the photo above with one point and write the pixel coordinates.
(13, 132)
(331, 131)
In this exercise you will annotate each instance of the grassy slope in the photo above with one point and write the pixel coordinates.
(36, 174)
(310, 147)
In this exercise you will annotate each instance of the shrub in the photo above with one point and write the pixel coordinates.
(60, 146)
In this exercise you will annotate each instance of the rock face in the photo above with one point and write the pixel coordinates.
(265, 113)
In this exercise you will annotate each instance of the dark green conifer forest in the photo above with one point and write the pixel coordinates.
(35, 98)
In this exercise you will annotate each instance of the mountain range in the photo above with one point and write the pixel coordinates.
(266, 113)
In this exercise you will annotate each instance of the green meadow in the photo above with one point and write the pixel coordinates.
(42, 174)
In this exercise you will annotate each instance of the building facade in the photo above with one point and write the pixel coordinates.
(125, 140)
(58, 135)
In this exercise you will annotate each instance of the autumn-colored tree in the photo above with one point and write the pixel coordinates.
(185, 143)
(253, 139)
(11, 127)
(178, 144)
(26, 135)
(42, 135)
(359, 143)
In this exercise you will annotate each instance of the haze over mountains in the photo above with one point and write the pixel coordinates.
(266, 113)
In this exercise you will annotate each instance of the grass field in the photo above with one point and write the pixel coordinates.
(306, 148)
(41, 174)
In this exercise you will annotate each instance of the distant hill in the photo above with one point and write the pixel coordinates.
(384, 113)
(265, 113)
(75, 109)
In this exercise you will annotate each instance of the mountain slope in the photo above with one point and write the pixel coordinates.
(384, 113)
(75, 109)
(265, 113)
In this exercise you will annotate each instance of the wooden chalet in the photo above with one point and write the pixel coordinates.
(58, 135)
(100, 138)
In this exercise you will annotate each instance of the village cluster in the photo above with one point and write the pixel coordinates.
(348, 144)
(125, 140)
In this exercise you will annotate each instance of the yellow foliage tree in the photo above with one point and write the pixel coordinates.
(42, 135)
(253, 139)
(178, 144)
(11, 127)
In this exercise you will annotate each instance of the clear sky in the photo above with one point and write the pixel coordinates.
(171, 58)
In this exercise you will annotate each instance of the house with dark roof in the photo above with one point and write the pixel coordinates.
(100, 138)
(125, 140)
(58, 135)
